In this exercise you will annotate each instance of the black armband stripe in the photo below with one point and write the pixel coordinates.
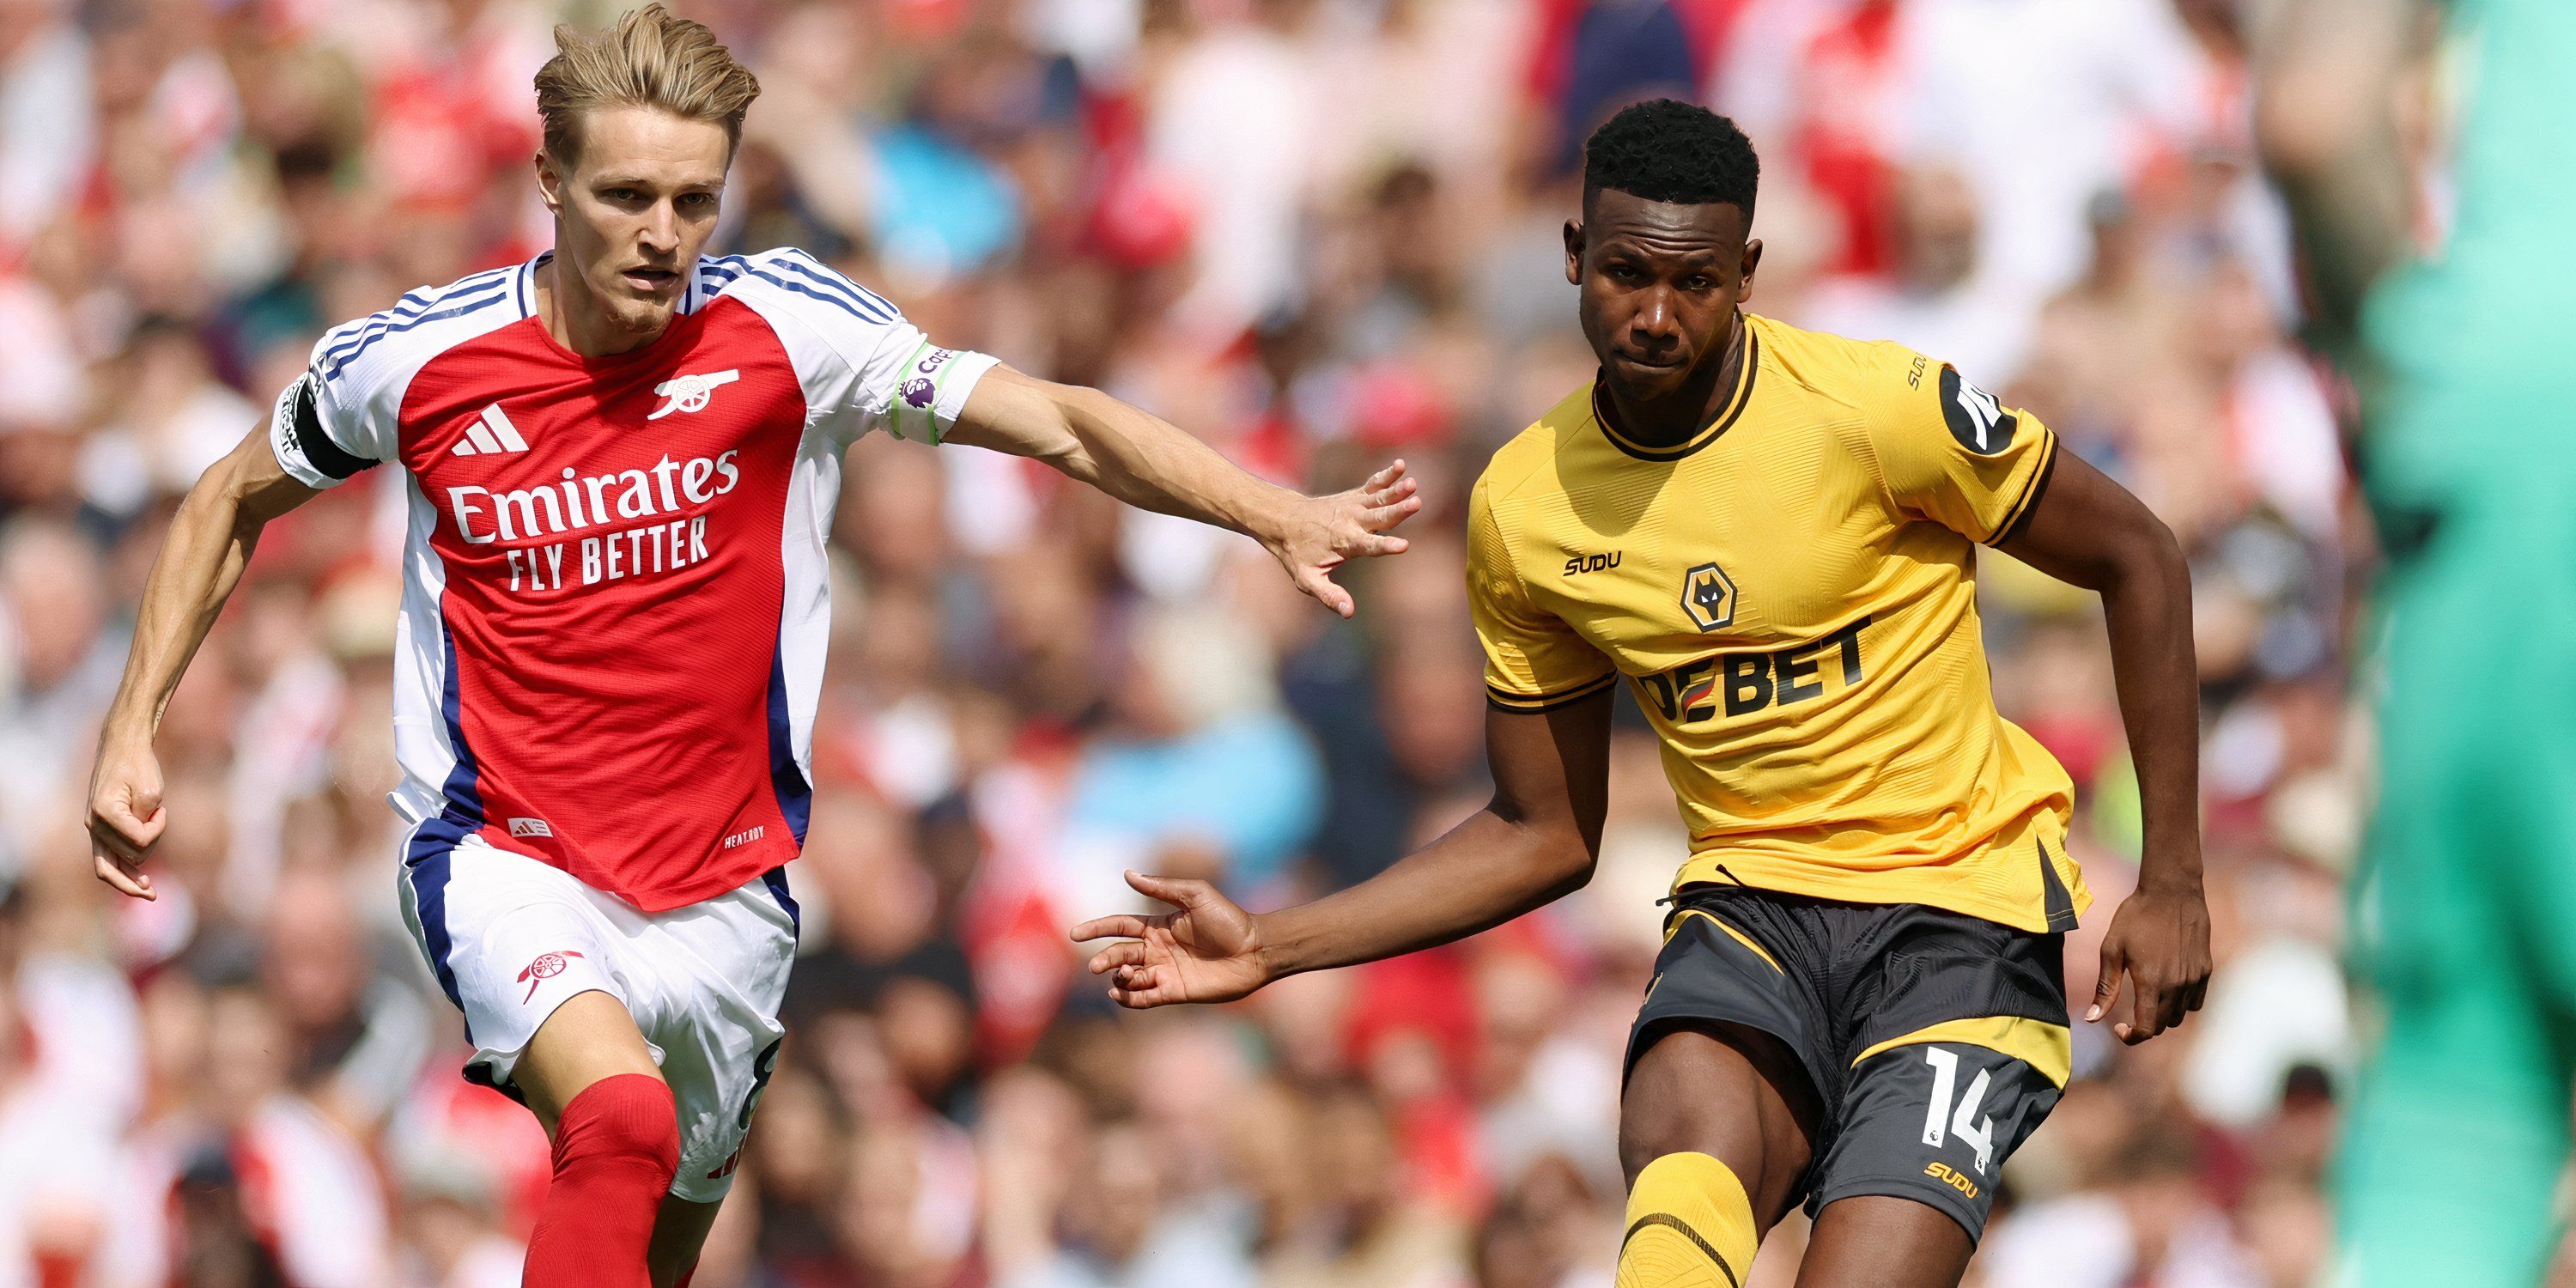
(304, 431)
(2019, 517)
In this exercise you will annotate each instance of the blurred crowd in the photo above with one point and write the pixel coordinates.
(1318, 233)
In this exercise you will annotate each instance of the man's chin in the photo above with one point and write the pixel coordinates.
(641, 316)
(1645, 384)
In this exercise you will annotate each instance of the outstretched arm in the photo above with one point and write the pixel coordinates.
(201, 560)
(1148, 463)
(2089, 531)
(1534, 843)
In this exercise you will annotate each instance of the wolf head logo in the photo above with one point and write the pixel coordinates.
(1708, 596)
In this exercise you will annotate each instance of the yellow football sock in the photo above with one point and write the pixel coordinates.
(1689, 1226)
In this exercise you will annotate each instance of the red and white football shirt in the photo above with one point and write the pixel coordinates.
(614, 594)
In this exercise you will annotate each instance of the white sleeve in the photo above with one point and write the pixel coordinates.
(320, 439)
(922, 391)
(862, 365)
(336, 419)
(345, 413)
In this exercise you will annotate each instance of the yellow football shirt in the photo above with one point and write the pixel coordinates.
(1791, 595)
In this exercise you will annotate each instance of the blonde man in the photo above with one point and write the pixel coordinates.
(621, 458)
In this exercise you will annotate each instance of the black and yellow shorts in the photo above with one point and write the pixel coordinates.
(1936, 1041)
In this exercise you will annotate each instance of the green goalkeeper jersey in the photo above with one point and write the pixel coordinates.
(2458, 1131)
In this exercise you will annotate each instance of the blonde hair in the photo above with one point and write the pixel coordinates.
(650, 58)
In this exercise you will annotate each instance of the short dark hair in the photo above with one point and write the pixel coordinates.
(1666, 150)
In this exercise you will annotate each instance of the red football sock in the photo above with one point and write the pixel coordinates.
(615, 1150)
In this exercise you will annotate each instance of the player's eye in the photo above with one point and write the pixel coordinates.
(624, 194)
(1699, 282)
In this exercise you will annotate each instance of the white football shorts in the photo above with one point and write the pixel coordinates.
(511, 939)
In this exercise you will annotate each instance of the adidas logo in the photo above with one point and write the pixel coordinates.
(493, 435)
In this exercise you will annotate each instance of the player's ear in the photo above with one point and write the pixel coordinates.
(549, 183)
(1574, 251)
(1744, 275)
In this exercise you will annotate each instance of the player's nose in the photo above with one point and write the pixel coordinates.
(661, 232)
(1653, 321)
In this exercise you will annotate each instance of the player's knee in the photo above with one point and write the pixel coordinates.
(1655, 1128)
(1648, 1133)
(626, 1120)
(1672, 1106)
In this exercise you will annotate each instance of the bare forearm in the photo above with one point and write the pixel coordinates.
(2089, 531)
(2147, 607)
(1482, 873)
(201, 560)
(1145, 462)
(1153, 465)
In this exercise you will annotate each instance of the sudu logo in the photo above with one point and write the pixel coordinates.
(545, 967)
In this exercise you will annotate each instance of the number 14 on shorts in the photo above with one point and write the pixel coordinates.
(1942, 1120)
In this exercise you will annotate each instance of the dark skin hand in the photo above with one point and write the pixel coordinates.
(1535, 841)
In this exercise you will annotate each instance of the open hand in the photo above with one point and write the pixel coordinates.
(2160, 940)
(1209, 951)
(1319, 532)
(125, 817)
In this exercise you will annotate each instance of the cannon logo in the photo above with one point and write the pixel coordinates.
(545, 967)
(1708, 596)
(690, 392)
